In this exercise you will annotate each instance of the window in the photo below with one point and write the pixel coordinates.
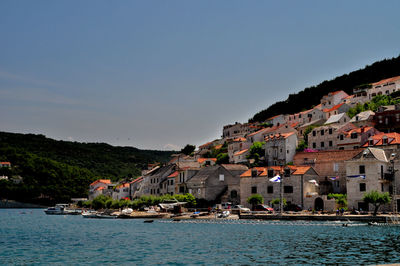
(221, 177)
(335, 167)
(234, 194)
(254, 173)
(354, 135)
(270, 173)
(287, 151)
(341, 148)
(270, 189)
(322, 132)
(341, 137)
(362, 169)
(363, 187)
(322, 144)
(355, 147)
(382, 187)
(287, 172)
(287, 189)
(314, 133)
(336, 184)
(253, 190)
(330, 131)
(314, 145)
(181, 189)
(330, 143)
(382, 172)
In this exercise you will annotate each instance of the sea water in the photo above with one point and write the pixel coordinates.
(30, 237)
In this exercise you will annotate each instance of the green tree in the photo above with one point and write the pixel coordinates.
(255, 199)
(277, 201)
(188, 149)
(256, 151)
(377, 199)
(340, 199)
(222, 158)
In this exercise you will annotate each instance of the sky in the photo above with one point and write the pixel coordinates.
(162, 74)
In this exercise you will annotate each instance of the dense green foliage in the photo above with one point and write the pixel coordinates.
(377, 101)
(255, 199)
(311, 96)
(222, 158)
(340, 199)
(54, 171)
(188, 149)
(377, 199)
(101, 159)
(277, 201)
(44, 180)
(103, 202)
(256, 152)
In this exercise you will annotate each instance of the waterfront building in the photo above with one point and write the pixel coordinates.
(121, 191)
(218, 183)
(300, 186)
(100, 187)
(330, 167)
(372, 169)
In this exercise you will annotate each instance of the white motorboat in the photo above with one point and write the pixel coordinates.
(56, 210)
(89, 214)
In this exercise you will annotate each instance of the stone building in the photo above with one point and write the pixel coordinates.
(330, 167)
(214, 183)
(354, 138)
(326, 137)
(385, 87)
(372, 169)
(280, 148)
(387, 118)
(299, 185)
(363, 119)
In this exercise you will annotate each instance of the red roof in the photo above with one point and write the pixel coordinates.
(333, 108)
(240, 152)
(137, 180)
(99, 188)
(123, 185)
(263, 171)
(174, 174)
(5, 163)
(104, 181)
(202, 160)
(384, 81)
(239, 139)
(218, 147)
(392, 139)
(278, 136)
(206, 145)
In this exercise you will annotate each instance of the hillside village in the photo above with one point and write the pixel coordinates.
(313, 153)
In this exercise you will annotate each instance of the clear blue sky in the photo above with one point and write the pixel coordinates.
(161, 74)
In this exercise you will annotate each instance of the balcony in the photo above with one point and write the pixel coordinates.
(388, 176)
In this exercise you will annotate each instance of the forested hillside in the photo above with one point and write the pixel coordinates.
(311, 96)
(58, 170)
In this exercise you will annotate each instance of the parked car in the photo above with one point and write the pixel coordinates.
(292, 208)
(263, 207)
(240, 208)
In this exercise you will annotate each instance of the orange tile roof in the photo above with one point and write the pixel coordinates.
(357, 130)
(383, 81)
(239, 139)
(273, 117)
(123, 185)
(5, 163)
(218, 147)
(263, 171)
(205, 145)
(104, 181)
(336, 92)
(174, 174)
(99, 188)
(333, 108)
(240, 152)
(202, 160)
(393, 138)
(278, 136)
(137, 180)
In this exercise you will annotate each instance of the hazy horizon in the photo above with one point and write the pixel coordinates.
(159, 75)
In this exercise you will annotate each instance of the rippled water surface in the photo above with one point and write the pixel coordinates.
(31, 237)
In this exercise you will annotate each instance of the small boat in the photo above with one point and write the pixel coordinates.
(89, 214)
(148, 221)
(127, 211)
(56, 210)
(224, 214)
(105, 216)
